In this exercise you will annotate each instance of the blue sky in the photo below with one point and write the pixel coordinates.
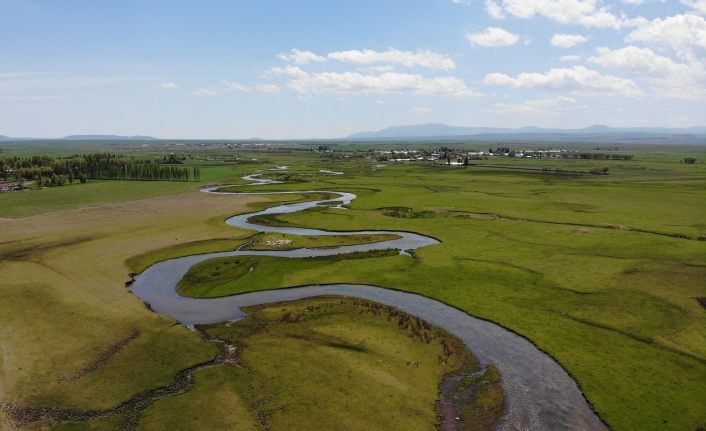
(285, 69)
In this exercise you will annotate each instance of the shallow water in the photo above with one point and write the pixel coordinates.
(539, 394)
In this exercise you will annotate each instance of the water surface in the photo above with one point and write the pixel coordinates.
(539, 393)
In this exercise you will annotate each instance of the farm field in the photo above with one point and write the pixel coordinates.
(601, 272)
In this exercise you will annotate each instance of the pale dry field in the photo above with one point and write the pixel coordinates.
(62, 283)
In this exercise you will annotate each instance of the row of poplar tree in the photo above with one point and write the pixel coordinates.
(97, 166)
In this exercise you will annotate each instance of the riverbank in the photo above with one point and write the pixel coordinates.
(539, 394)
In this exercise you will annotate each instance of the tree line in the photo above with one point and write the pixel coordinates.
(48, 171)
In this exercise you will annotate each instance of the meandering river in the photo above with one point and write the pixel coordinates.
(539, 393)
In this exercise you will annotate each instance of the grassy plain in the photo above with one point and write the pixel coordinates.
(600, 272)
(97, 192)
(63, 278)
(231, 275)
(332, 363)
(215, 403)
(65, 303)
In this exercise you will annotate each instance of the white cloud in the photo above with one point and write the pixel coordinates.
(567, 40)
(535, 107)
(587, 13)
(570, 58)
(168, 85)
(670, 79)
(268, 88)
(494, 9)
(493, 37)
(359, 83)
(235, 86)
(698, 6)
(301, 57)
(682, 33)
(203, 92)
(379, 102)
(293, 71)
(576, 79)
(379, 69)
(633, 2)
(642, 60)
(424, 58)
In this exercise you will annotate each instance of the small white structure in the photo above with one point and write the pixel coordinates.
(274, 242)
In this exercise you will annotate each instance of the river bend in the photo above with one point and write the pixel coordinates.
(539, 393)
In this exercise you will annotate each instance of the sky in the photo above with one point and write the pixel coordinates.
(327, 69)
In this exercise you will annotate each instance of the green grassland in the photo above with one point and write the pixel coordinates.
(601, 272)
(77, 195)
(334, 362)
(268, 241)
(138, 263)
(96, 192)
(231, 275)
(72, 337)
(215, 403)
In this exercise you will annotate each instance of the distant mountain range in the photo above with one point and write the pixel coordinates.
(85, 138)
(108, 138)
(443, 131)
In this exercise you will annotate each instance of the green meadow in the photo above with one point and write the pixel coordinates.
(97, 192)
(314, 362)
(602, 272)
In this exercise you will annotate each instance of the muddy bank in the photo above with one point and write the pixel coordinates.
(470, 401)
